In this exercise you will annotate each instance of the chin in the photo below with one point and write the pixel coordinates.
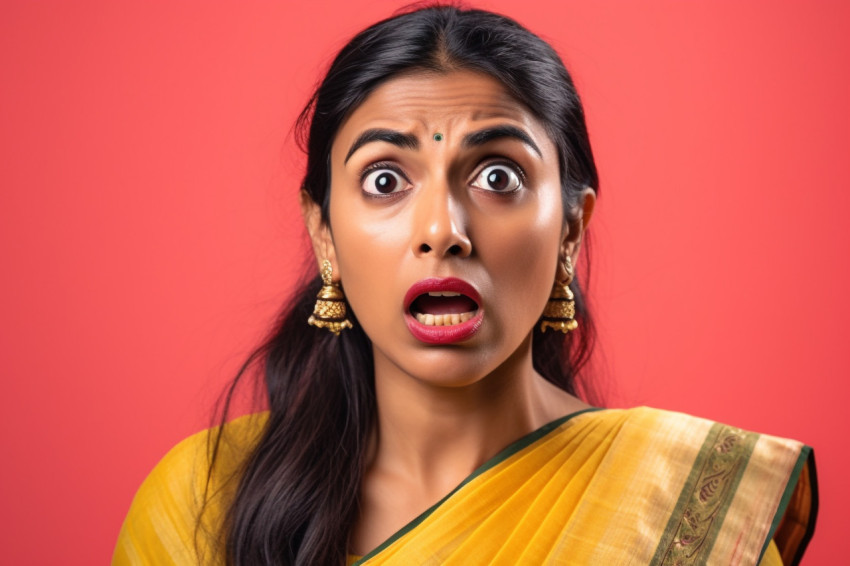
(451, 367)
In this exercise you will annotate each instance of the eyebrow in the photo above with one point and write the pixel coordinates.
(410, 141)
(404, 141)
(487, 135)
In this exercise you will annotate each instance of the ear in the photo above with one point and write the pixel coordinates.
(571, 244)
(319, 231)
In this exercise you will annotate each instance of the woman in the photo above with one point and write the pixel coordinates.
(428, 412)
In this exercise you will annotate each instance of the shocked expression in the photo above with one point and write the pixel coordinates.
(446, 224)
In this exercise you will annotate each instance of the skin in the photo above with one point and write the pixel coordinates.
(443, 410)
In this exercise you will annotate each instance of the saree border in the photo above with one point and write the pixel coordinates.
(504, 454)
(715, 475)
(806, 458)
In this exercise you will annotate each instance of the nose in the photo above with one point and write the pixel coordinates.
(440, 224)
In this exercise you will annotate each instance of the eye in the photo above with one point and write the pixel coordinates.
(382, 180)
(498, 177)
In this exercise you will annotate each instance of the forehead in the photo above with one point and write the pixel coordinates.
(428, 102)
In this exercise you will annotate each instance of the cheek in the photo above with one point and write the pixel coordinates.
(521, 251)
(368, 255)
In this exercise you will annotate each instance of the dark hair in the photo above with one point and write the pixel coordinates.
(298, 491)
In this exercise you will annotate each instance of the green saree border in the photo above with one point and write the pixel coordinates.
(668, 533)
(807, 456)
(722, 445)
(506, 453)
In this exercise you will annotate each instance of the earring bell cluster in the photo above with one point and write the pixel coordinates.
(560, 310)
(329, 311)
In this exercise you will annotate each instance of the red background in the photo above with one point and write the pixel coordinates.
(148, 226)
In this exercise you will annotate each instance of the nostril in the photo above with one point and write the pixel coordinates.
(424, 248)
(455, 250)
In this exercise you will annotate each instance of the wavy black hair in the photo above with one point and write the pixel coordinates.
(298, 490)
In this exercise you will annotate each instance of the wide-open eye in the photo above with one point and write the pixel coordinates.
(499, 177)
(383, 181)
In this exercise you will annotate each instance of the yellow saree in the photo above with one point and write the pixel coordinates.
(638, 486)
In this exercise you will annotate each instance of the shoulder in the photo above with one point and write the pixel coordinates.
(671, 432)
(728, 489)
(182, 497)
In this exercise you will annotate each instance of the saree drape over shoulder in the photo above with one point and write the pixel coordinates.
(607, 487)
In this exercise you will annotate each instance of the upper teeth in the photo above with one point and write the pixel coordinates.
(443, 319)
(443, 294)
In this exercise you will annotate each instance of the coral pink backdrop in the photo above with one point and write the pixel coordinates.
(148, 225)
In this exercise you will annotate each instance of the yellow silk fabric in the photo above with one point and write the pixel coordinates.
(602, 487)
(175, 516)
(771, 557)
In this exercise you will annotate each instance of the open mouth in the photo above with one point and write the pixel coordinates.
(443, 308)
(443, 311)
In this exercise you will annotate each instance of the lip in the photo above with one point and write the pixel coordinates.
(442, 334)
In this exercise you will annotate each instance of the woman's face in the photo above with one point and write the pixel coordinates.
(444, 184)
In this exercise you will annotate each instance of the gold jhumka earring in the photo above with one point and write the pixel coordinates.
(330, 311)
(560, 311)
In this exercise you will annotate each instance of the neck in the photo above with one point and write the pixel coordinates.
(436, 435)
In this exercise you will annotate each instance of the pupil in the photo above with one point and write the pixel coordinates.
(385, 183)
(498, 180)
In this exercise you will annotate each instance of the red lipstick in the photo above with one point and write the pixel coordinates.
(446, 334)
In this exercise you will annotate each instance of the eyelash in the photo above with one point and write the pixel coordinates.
(378, 166)
(486, 162)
